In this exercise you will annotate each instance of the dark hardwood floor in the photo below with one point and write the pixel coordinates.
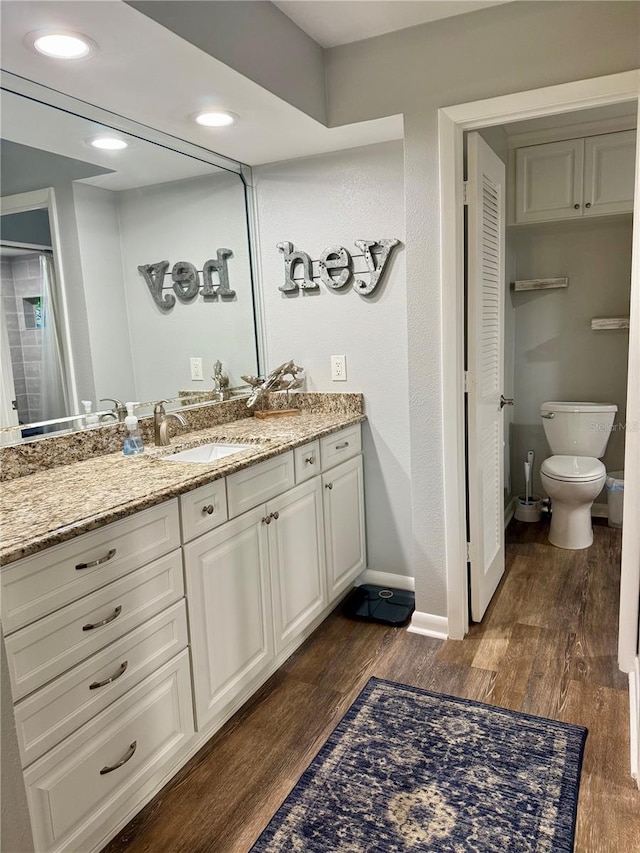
(547, 646)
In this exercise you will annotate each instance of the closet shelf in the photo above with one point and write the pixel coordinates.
(610, 323)
(540, 283)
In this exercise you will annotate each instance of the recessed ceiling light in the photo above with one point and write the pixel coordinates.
(108, 143)
(61, 45)
(215, 118)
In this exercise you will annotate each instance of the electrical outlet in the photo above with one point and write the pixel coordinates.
(196, 370)
(339, 368)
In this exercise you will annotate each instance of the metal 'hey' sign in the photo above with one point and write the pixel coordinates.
(186, 282)
(336, 260)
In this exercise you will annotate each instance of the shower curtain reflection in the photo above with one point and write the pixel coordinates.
(33, 382)
(54, 398)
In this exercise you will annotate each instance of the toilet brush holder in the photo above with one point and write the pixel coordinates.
(528, 510)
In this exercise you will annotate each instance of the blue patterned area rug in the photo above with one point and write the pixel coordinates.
(407, 771)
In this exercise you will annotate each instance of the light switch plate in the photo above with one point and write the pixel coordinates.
(339, 368)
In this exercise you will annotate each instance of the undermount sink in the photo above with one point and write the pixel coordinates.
(205, 453)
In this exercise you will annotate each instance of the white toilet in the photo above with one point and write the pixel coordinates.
(574, 476)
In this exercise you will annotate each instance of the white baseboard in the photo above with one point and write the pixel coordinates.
(600, 511)
(509, 511)
(634, 707)
(429, 625)
(386, 579)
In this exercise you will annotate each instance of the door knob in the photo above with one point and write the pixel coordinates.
(506, 401)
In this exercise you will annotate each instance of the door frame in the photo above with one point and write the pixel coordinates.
(452, 123)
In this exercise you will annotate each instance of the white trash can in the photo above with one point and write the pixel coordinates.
(615, 497)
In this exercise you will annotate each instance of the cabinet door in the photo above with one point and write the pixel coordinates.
(343, 498)
(296, 554)
(549, 181)
(231, 627)
(609, 170)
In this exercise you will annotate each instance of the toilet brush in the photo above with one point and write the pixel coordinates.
(528, 507)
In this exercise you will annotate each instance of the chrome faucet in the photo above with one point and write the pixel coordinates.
(119, 408)
(161, 421)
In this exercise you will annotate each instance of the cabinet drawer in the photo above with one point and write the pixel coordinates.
(259, 483)
(52, 645)
(138, 735)
(340, 446)
(203, 509)
(307, 461)
(38, 585)
(57, 710)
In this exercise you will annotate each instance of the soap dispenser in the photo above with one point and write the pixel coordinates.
(132, 437)
(90, 418)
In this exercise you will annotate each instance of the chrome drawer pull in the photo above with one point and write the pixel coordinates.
(342, 446)
(99, 562)
(95, 684)
(310, 460)
(122, 761)
(106, 621)
(208, 509)
(329, 486)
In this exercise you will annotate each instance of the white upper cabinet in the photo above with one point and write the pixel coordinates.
(575, 178)
(549, 181)
(609, 171)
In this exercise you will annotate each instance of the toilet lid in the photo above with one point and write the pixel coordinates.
(579, 469)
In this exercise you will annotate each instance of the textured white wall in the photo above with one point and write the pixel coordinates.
(186, 221)
(327, 201)
(101, 259)
(74, 290)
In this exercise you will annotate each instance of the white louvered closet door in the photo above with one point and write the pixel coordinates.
(485, 363)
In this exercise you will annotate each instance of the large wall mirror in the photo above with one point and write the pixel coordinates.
(80, 320)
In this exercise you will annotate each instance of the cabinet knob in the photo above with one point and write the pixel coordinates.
(576, 207)
(328, 485)
(310, 460)
(588, 204)
(275, 515)
(208, 509)
(266, 519)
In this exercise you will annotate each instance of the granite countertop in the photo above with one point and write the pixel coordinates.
(53, 506)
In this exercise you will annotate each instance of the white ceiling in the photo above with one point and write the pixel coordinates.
(334, 22)
(145, 72)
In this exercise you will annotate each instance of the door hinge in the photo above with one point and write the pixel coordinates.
(468, 552)
(465, 192)
(467, 382)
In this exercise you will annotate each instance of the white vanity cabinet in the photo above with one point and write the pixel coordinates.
(96, 639)
(258, 584)
(253, 585)
(228, 589)
(344, 525)
(575, 178)
(107, 657)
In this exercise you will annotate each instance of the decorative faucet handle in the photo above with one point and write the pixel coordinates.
(158, 409)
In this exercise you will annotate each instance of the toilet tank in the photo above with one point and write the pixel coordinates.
(577, 429)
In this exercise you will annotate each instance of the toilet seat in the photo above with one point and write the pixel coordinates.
(573, 469)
